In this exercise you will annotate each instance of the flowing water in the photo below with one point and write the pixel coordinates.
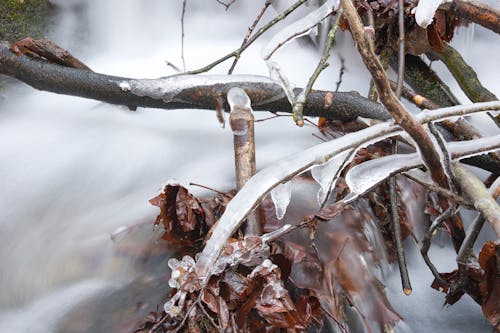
(77, 249)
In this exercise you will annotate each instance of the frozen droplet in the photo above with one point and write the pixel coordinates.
(367, 175)
(327, 174)
(238, 96)
(280, 196)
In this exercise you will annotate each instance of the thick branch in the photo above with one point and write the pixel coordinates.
(464, 74)
(476, 12)
(265, 95)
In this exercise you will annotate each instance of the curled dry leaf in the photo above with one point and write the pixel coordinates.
(489, 287)
(181, 214)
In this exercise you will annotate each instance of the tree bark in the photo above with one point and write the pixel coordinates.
(59, 79)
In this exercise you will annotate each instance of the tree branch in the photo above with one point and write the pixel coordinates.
(265, 95)
(476, 12)
(479, 195)
(400, 115)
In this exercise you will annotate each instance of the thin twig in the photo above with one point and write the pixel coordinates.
(397, 237)
(227, 5)
(300, 100)
(249, 32)
(401, 51)
(396, 223)
(182, 34)
(446, 155)
(426, 242)
(442, 191)
(252, 39)
(341, 73)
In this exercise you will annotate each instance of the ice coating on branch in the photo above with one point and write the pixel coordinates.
(425, 10)
(167, 88)
(470, 148)
(298, 28)
(238, 96)
(367, 175)
(250, 195)
(327, 174)
(281, 196)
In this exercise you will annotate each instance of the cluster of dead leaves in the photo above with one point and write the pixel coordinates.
(304, 278)
(417, 39)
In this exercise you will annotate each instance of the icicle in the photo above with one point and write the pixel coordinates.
(277, 75)
(327, 173)
(281, 196)
(299, 28)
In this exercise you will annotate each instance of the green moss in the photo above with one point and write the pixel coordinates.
(29, 18)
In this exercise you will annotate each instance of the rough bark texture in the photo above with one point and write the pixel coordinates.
(46, 76)
(476, 12)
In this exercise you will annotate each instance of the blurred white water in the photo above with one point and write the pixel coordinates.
(73, 171)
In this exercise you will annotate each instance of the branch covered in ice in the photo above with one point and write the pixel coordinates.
(299, 28)
(475, 190)
(249, 197)
(369, 174)
(196, 93)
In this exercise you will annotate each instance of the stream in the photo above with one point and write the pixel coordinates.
(78, 251)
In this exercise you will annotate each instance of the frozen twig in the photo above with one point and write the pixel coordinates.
(242, 124)
(475, 190)
(298, 28)
(187, 91)
(300, 100)
(466, 250)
